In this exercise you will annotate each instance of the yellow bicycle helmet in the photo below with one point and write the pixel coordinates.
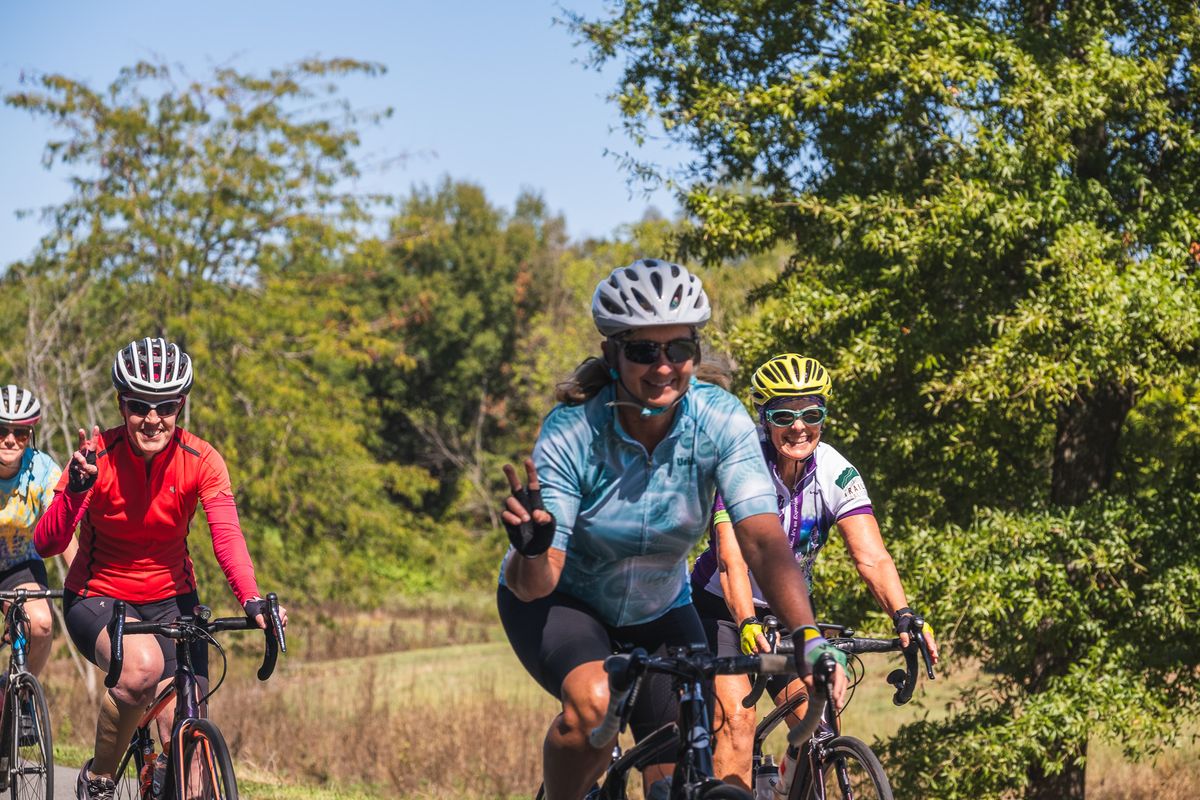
(789, 375)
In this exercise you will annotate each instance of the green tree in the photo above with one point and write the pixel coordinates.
(991, 210)
(457, 281)
(214, 212)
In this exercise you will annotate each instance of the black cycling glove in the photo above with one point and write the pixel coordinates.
(78, 480)
(531, 538)
(905, 621)
(255, 607)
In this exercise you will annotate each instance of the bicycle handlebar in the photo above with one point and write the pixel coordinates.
(186, 628)
(626, 670)
(21, 595)
(904, 680)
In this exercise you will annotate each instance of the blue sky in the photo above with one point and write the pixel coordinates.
(490, 92)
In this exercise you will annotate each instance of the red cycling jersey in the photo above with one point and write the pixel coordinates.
(133, 536)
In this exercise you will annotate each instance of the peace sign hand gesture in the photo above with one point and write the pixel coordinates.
(82, 470)
(530, 526)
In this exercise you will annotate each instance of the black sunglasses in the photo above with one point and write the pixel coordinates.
(20, 434)
(644, 351)
(141, 408)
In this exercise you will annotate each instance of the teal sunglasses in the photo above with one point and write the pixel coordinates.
(786, 417)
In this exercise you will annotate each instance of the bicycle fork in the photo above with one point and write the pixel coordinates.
(694, 714)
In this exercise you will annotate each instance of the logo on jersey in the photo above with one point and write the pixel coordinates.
(851, 483)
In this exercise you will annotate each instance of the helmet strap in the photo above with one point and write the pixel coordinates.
(644, 409)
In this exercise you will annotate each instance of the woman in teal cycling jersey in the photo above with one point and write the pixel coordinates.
(617, 493)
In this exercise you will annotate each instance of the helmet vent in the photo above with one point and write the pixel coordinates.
(677, 298)
(656, 281)
(610, 306)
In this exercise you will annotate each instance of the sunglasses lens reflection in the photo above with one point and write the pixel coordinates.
(786, 417)
(141, 408)
(643, 351)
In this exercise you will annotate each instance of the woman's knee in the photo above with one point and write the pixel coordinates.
(41, 620)
(141, 672)
(584, 699)
(730, 719)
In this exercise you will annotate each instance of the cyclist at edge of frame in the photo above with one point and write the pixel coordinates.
(618, 491)
(27, 480)
(132, 491)
(816, 488)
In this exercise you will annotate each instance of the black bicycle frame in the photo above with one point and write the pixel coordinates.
(692, 753)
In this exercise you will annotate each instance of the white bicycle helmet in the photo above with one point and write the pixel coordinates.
(18, 406)
(152, 367)
(649, 292)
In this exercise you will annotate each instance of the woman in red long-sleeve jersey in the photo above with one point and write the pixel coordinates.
(132, 491)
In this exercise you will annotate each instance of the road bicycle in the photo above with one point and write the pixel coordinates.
(26, 746)
(197, 765)
(687, 741)
(827, 764)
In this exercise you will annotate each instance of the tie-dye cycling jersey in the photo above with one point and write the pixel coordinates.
(830, 490)
(23, 498)
(627, 520)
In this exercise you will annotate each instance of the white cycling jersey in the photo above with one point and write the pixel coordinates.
(829, 490)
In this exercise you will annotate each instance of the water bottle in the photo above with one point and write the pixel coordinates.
(787, 773)
(765, 779)
(160, 775)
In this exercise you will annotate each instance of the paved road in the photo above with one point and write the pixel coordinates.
(64, 782)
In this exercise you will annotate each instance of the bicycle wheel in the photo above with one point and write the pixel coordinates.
(850, 771)
(202, 767)
(31, 775)
(128, 776)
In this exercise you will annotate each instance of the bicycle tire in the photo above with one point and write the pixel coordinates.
(202, 767)
(31, 774)
(128, 776)
(850, 764)
(726, 791)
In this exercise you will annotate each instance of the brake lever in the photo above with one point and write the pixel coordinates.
(923, 647)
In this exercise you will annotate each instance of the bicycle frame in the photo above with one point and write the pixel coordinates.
(813, 754)
(16, 630)
(692, 752)
(692, 672)
(184, 688)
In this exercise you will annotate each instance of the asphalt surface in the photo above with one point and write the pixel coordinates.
(64, 782)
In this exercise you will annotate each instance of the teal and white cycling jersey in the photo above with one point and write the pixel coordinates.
(627, 520)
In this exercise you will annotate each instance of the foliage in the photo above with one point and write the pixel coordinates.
(991, 212)
(213, 214)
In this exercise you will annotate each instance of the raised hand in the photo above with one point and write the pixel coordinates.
(82, 469)
(530, 526)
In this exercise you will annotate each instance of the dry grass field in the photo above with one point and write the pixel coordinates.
(428, 701)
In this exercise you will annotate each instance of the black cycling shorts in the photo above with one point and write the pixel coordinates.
(87, 616)
(31, 571)
(557, 633)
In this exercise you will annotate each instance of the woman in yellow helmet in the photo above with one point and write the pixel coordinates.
(816, 488)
